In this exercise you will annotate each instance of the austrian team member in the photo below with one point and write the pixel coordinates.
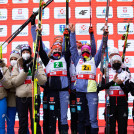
(86, 89)
(22, 80)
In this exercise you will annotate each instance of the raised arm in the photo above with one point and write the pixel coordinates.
(93, 44)
(73, 48)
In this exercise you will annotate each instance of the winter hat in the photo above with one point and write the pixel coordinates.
(58, 39)
(114, 58)
(56, 45)
(79, 44)
(114, 51)
(26, 47)
(15, 53)
(86, 46)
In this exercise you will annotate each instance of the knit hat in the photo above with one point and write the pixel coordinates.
(86, 45)
(26, 47)
(56, 45)
(15, 53)
(114, 50)
(114, 58)
(58, 39)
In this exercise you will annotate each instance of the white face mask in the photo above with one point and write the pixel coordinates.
(26, 56)
(79, 51)
(13, 62)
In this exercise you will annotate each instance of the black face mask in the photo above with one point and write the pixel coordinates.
(116, 66)
(56, 54)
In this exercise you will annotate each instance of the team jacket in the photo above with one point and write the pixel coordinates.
(85, 70)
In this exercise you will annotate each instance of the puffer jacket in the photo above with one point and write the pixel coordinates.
(5, 82)
(19, 77)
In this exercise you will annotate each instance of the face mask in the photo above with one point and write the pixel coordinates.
(26, 56)
(116, 66)
(56, 54)
(79, 51)
(13, 62)
(85, 54)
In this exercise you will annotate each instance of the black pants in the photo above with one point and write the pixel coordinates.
(23, 105)
(45, 113)
(83, 125)
(54, 113)
(73, 110)
(120, 114)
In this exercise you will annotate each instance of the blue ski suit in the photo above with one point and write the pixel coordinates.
(86, 90)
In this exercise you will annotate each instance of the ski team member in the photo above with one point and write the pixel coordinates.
(73, 108)
(5, 84)
(86, 89)
(118, 79)
(57, 86)
(11, 98)
(22, 80)
(45, 92)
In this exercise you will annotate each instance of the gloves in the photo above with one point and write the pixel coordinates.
(66, 32)
(1, 75)
(91, 30)
(33, 20)
(25, 66)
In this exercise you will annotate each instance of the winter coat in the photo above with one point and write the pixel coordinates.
(5, 82)
(22, 81)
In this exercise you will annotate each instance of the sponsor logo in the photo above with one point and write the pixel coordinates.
(100, 27)
(80, 61)
(3, 1)
(82, 12)
(45, 29)
(130, 46)
(129, 61)
(20, 13)
(3, 14)
(45, 13)
(24, 32)
(101, 111)
(122, 27)
(102, 97)
(82, 29)
(125, 12)
(20, 1)
(59, 29)
(78, 99)
(51, 98)
(3, 30)
(60, 12)
(101, 12)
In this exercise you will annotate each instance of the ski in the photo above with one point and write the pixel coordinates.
(104, 67)
(35, 68)
(9, 39)
(124, 37)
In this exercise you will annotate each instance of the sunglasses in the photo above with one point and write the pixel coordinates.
(15, 51)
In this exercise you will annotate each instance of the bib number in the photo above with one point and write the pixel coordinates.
(86, 67)
(58, 64)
